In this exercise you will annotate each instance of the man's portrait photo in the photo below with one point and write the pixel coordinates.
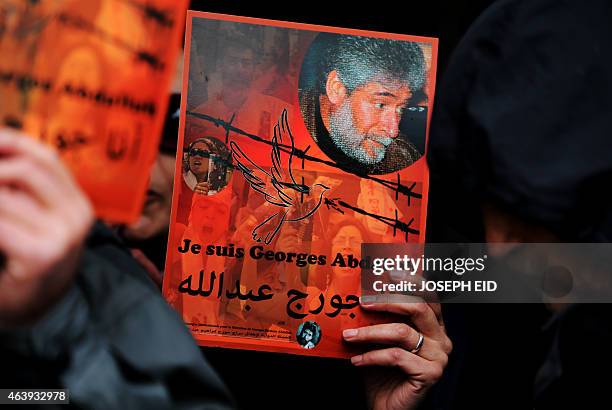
(363, 100)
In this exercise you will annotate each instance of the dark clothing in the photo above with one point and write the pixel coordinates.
(399, 154)
(572, 374)
(154, 248)
(260, 380)
(168, 141)
(113, 342)
(523, 120)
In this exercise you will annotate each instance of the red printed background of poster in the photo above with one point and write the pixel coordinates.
(270, 206)
(91, 78)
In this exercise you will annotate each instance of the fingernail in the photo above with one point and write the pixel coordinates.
(367, 300)
(348, 333)
(356, 359)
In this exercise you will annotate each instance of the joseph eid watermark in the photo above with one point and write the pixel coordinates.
(488, 272)
(405, 274)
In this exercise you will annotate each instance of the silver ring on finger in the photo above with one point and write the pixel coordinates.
(419, 344)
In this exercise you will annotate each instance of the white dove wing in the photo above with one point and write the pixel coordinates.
(282, 161)
(259, 179)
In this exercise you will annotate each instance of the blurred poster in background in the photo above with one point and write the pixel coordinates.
(91, 79)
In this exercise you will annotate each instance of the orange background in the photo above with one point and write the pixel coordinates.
(205, 219)
(97, 46)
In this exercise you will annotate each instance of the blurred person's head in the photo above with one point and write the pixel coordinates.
(270, 55)
(307, 334)
(346, 238)
(238, 66)
(275, 53)
(155, 217)
(198, 154)
(209, 160)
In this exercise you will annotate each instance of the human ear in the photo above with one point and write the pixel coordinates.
(335, 89)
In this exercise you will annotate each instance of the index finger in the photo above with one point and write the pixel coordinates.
(421, 313)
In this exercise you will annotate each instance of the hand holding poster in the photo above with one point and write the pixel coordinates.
(91, 79)
(299, 143)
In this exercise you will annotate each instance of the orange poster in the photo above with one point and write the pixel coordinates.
(299, 143)
(91, 78)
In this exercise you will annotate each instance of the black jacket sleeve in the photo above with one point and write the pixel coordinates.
(113, 342)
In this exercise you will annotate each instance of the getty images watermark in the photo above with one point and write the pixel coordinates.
(398, 267)
(487, 273)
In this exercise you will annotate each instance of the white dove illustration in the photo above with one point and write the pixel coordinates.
(278, 186)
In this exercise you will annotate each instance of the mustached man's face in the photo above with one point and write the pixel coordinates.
(365, 122)
(238, 68)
